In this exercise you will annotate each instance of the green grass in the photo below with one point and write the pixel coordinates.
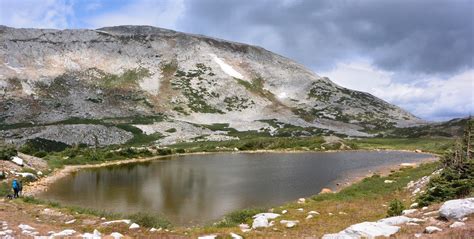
(247, 143)
(143, 219)
(5, 188)
(374, 186)
(432, 145)
(129, 78)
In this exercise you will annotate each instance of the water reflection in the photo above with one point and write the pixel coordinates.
(200, 188)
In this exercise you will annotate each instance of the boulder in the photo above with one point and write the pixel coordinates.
(394, 221)
(235, 236)
(388, 181)
(267, 215)
(457, 209)
(301, 200)
(116, 235)
(126, 221)
(457, 224)
(340, 236)
(432, 229)
(17, 160)
(244, 227)
(372, 229)
(207, 237)
(289, 223)
(64, 233)
(409, 211)
(134, 226)
(325, 190)
(260, 222)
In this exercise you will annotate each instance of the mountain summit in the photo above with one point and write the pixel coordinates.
(76, 86)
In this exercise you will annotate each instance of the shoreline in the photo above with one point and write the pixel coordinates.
(42, 185)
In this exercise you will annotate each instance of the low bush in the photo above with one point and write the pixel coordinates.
(148, 220)
(7, 151)
(395, 208)
(238, 217)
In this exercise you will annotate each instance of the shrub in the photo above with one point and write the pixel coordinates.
(7, 151)
(395, 209)
(164, 151)
(456, 179)
(148, 220)
(171, 130)
(237, 217)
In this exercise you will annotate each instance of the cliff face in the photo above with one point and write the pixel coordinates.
(52, 78)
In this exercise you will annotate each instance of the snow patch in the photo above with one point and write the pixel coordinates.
(226, 67)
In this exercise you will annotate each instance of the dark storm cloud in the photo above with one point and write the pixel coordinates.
(428, 36)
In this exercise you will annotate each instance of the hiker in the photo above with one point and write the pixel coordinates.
(16, 188)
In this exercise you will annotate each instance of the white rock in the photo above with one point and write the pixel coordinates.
(300, 209)
(244, 227)
(309, 216)
(394, 221)
(301, 200)
(313, 212)
(457, 209)
(207, 237)
(428, 214)
(432, 229)
(418, 235)
(260, 222)
(372, 229)
(414, 205)
(70, 222)
(409, 211)
(388, 181)
(116, 235)
(26, 227)
(95, 235)
(17, 160)
(267, 215)
(412, 224)
(126, 221)
(235, 236)
(284, 211)
(289, 223)
(155, 230)
(39, 173)
(340, 235)
(64, 233)
(134, 226)
(457, 224)
(424, 208)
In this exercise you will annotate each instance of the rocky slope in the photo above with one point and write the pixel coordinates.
(143, 76)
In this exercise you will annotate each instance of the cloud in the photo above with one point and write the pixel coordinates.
(35, 14)
(161, 13)
(426, 36)
(428, 97)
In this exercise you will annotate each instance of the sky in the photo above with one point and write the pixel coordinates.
(418, 55)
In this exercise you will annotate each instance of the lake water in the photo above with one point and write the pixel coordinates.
(195, 189)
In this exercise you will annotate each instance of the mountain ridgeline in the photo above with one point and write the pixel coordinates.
(130, 83)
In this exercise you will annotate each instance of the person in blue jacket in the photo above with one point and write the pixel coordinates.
(16, 188)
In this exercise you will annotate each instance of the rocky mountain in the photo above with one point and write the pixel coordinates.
(105, 86)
